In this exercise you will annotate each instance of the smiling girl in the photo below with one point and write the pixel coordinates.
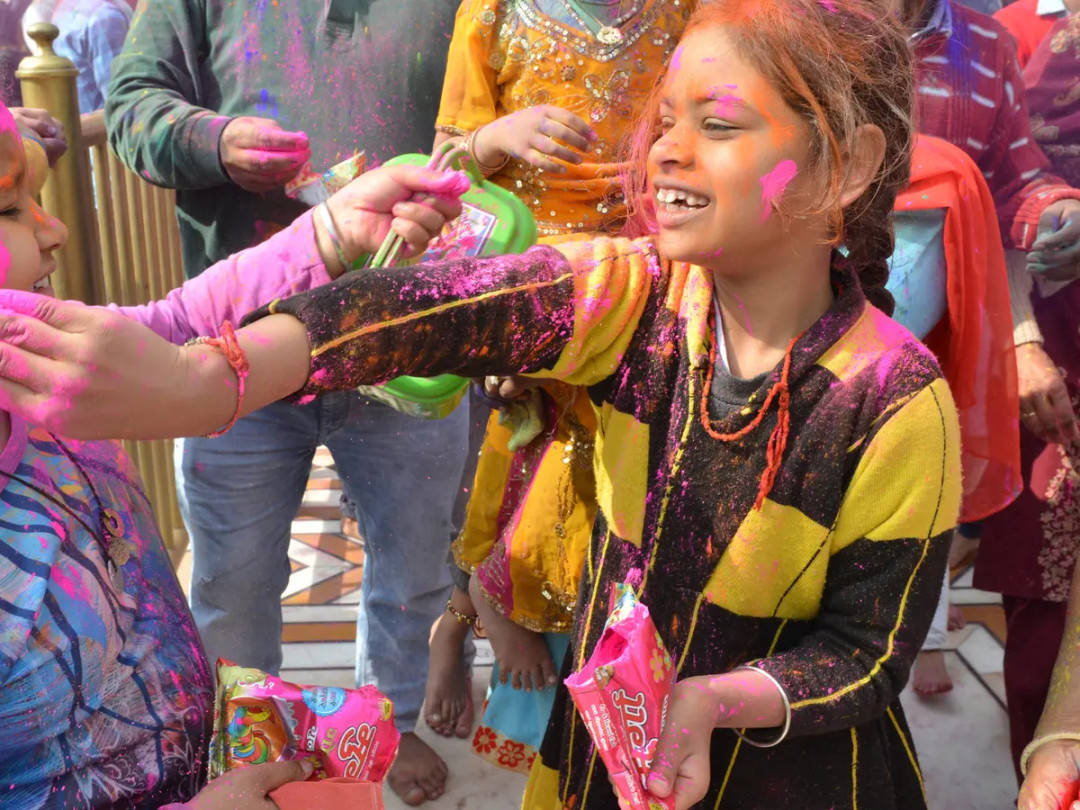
(777, 461)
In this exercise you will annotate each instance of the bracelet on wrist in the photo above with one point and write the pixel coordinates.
(331, 231)
(1034, 745)
(469, 145)
(229, 345)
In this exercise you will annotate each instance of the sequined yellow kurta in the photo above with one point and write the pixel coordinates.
(509, 55)
(531, 512)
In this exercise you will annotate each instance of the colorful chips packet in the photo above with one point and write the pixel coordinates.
(311, 187)
(348, 734)
(622, 694)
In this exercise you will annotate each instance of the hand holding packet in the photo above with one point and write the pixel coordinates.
(348, 734)
(622, 694)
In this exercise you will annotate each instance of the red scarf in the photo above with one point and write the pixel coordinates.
(973, 342)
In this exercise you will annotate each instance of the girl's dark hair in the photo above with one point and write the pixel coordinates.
(840, 64)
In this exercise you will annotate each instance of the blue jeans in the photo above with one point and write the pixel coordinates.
(239, 494)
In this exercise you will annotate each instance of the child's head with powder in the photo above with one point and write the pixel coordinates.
(780, 123)
(28, 235)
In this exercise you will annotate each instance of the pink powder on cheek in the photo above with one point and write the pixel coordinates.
(774, 183)
(5, 265)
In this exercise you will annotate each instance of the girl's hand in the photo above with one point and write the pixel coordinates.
(534, 136)
(247, 788)
(1052, 777)
(411, 201)
(1056, 254)
(86, 373)
(681, 765)
(1045, 407)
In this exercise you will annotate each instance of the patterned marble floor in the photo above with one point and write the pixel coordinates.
(961, 736)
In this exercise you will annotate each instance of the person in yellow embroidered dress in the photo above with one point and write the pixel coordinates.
(543, 93)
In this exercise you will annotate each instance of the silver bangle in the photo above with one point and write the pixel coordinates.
(331, 231)
(787, 713)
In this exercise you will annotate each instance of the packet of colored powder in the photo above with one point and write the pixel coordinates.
(312, 188)
(622, 694)
(348, 734)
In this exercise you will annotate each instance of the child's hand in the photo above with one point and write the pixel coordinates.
(246, 788)
(44, 127)
(79, 371)
(1056, 253)
(681, 765)
(258, 155)
(1052, 777)
(533, 135)
(412, 202)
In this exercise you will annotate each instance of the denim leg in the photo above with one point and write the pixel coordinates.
(238, 495)
(402, 473)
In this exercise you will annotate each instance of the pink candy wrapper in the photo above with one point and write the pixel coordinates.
(622, 694)
(346, 733)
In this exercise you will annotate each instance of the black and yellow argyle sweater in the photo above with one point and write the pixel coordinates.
(829, 587)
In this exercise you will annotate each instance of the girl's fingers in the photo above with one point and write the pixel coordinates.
(571, 121)
(552, 148)
(541, 161)
(515, 680)
(29, 334)
(561, 132)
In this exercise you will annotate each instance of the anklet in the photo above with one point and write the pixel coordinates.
(462, 618)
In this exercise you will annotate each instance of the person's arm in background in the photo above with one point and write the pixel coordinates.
(105, 37)
(158, 127)
(1028, 198)
(1051, 762)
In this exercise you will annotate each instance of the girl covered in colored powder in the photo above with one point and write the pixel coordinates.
(777, 461)
(542, 93)
(106, 697)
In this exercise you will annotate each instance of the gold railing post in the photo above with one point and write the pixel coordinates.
(48, 81)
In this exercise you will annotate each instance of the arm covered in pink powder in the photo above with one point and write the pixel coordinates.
(286, 264)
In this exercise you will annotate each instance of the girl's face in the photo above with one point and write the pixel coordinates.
(28, 236)
(730, 150)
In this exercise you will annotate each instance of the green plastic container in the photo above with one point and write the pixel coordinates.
(493, 222)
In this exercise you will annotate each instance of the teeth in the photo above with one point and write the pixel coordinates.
(671, 195)
(41, 284)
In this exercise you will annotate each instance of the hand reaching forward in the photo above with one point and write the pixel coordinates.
(247, 788)
(258, 155)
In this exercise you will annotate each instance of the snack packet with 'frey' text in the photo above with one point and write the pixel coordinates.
(346, 733)
(622, 694)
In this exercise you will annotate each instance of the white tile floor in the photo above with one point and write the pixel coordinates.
(961, 736)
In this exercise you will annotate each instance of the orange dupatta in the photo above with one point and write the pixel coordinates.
(974, 341)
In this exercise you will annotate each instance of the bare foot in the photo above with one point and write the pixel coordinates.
(962, 550)
(448, 700)
(522, 655)
(929, 675)
(957, 620)
(418, 774)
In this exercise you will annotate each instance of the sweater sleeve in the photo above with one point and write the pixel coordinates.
(1014, 166)
(889, 550)
(567, 313)
(153, 111)
(285, 264)
(1021, 284)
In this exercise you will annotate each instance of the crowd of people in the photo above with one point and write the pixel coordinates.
(800, 333)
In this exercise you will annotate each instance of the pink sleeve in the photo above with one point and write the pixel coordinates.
(285, 264)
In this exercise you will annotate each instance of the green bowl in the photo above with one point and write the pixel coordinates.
(494, 222)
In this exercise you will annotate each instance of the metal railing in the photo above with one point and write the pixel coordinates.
(123, 245)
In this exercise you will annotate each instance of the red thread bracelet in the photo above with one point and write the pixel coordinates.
(228, 345)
